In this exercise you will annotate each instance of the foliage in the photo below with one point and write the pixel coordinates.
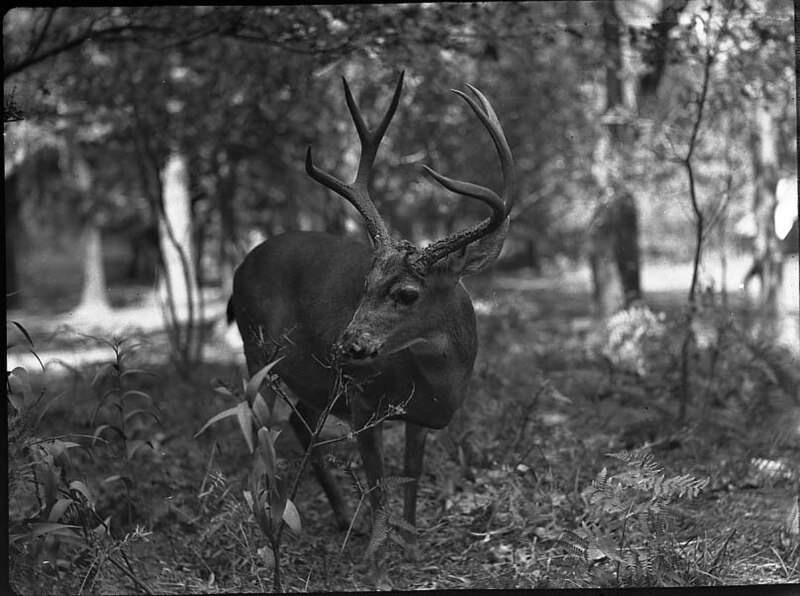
(633, 525)
(268, 497)
(739, 371)
(116, 404)
(54, 524)
(229, 534)
(11, 111)
(634, 339)
(386, 523)
(500, 486)
(126, 413)
(241, 91)
(736, 373)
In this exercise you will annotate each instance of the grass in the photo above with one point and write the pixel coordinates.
(502, 483)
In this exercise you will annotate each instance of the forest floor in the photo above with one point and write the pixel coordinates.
(506, 498)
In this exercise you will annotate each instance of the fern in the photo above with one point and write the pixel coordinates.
(686, 486)
(576, 545)
(399, 528)
(600, 484)
(641, 567)
(638, 458)
(631, 519)
(380, 530)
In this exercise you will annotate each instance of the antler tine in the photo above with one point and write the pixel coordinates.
(501, 205)
(492, 124)
(376, 227)
(357, 193)
(370, 139)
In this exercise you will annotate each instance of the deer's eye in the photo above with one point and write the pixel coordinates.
(407, 295)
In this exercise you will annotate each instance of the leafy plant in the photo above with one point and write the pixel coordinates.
(123, 409)
(632, 524)
(267, 496)
(52, 517)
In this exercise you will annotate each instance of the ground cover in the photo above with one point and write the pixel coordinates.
(512, 493)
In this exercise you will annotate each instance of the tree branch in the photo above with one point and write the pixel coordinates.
(114, 33)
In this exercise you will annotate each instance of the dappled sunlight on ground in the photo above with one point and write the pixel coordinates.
(57, 337)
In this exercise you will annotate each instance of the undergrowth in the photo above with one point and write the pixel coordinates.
(57, 537)
(631, 534)
(511, 496)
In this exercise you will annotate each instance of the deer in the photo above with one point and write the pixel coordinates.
(392, 319)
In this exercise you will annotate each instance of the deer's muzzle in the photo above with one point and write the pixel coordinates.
(354, 346)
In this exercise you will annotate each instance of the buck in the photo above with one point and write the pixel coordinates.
(392, 319)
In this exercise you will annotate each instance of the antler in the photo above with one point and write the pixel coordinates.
(357, 193)
(501, 205)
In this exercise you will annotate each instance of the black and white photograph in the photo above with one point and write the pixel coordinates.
(402, 296)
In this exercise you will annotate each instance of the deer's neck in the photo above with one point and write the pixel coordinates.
(438, 361)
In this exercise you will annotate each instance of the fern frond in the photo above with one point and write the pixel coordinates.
(576, 545)
(681, 486)
(380, 530)
(390, 483)
(602, 482)
(601, 479)
(398, 521)
(600, 489)
(639, 459)
(640, 566)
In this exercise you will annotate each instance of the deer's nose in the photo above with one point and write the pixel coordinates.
(357, 350)
(355, 345)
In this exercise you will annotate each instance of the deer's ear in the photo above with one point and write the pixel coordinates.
(478, 255)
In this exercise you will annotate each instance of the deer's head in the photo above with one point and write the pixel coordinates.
(409, 298)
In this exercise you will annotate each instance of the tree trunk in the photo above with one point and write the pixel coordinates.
(786, 227)
(94, 297)
(606, 290)
(767, 258)
(228, 253)
(145, 253)
(178, 287)
(626, 249)
(607, 287)
(175, 234)
(615, 234)
(532, 255)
